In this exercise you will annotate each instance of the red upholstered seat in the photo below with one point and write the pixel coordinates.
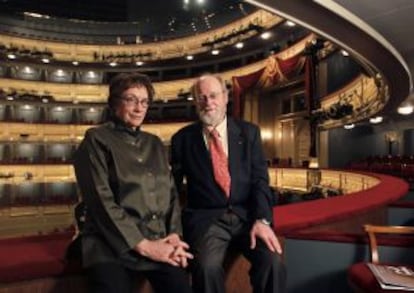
(360, 277)
(363, 280)
(34, 257)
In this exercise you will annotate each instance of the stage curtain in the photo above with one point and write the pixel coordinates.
(275, 70)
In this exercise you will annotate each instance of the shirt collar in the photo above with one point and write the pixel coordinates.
(221, 128)
(121, 126)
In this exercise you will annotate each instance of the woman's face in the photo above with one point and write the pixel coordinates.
(133, 106)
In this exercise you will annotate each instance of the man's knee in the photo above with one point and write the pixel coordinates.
(208, 266)
(269, 263)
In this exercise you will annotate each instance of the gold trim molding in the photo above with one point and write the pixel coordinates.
(167, 90)
(157, 50)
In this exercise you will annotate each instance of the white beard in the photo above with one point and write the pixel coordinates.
(211, 119)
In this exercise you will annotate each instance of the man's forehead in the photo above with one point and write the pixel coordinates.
(209, 83)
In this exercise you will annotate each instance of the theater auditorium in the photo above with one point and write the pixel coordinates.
(329, 83)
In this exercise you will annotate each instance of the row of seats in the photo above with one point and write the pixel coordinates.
(47, 121)
(401, 166)
(21, 201)
(31, 160)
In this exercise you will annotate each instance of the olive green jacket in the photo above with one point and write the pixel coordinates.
(128, 191)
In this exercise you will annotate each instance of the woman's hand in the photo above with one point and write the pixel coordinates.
(169, 250)
(180, 254)
(157, 250)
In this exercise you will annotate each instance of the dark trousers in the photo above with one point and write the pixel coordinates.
(267, 273)
(114, 278)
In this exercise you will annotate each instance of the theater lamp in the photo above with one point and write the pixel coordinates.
(407, 107)
(313, 174)
(313, 163)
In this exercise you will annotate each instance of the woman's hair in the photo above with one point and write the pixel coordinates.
(125, 81)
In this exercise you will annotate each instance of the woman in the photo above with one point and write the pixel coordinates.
(132, 220)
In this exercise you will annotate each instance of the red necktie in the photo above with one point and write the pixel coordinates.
(220, 162)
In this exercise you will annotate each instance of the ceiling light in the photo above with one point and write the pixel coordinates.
(215, 52)
(91, 74)
(349, 126)
(239, 45)
(60, 72)
(27, 69)
(265, 35)
(376, 120)
(189, 57)
(290, 23)
(36, 15)
(406, 109)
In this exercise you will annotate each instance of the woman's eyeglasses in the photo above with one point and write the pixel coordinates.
(134, 101)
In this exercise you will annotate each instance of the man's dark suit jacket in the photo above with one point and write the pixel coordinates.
(250, 195)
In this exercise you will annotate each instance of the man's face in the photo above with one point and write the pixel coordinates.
(133, 106)
(211, 101)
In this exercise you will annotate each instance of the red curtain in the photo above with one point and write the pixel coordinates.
(275, 71)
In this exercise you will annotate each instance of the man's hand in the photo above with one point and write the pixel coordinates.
(264, 232)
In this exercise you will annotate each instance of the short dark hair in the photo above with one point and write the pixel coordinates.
(125, 81)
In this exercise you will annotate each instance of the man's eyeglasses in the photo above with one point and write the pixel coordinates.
(133, 101)
(212, 96)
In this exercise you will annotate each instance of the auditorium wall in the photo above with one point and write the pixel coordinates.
(367, 140)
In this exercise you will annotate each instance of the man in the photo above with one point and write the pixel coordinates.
(230, 205)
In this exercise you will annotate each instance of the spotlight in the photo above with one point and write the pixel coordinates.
(239, 45)
(349, 126)
(405, 109)
(376, 120)
(290, 23)
(266, 35)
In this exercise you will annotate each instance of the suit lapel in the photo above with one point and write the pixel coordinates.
(199, 146)
(236, 142)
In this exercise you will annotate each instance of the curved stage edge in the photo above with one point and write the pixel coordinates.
(345, 213)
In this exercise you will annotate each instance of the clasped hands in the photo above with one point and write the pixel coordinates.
(171, 250)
